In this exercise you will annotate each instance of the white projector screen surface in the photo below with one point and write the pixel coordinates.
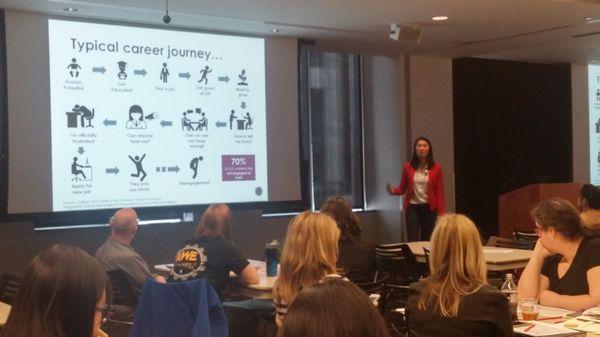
(594, 115)
(147, 117)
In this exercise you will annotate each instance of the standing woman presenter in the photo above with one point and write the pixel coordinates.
(423, 183)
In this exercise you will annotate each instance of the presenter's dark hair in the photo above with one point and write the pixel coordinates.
(591, 195)
(341, 211)
(332, 308)
(415, 162)
(58, 295)
(215, 222)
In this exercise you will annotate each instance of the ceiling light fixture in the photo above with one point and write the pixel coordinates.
(439, 18)
(275, 30)
(70, 9)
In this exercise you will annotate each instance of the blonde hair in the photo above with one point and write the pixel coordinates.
(456, 262)
(310, 252)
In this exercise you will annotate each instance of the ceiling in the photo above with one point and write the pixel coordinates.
(525, 30)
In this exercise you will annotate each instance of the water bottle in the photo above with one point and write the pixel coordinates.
(272, 257)
(509, 289)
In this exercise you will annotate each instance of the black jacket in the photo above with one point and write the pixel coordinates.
(484, 313)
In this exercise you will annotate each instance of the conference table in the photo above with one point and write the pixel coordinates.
(4, 312)
(496, 258)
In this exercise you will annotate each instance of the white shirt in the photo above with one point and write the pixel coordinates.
(420, 182)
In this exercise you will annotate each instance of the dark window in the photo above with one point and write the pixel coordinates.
(331, 118)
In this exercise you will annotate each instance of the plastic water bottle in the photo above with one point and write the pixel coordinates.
(272, 257)
(509, 289)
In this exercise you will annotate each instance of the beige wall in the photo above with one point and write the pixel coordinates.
(429, 112)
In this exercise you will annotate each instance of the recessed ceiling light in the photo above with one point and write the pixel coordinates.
(275, 30)
(439, 18)
(70, 9)
(594, 61)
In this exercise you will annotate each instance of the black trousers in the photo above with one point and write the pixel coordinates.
(420, 221)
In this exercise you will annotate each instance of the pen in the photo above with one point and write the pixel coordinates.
(549, 317)
(529, 327)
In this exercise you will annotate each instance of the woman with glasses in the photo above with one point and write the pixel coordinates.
(564, 269)
(456, 299)
(63, 294)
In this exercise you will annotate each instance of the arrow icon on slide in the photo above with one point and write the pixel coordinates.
(164, 123)
(98, 69)
(224, 79)
(140, 72)
(108, 122)
(243, 105)
(184, 75)
(115, 170)
(80, 150)
(173, 169)
(221, 124)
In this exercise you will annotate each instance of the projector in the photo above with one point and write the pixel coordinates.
(167, 19)
(405, 33)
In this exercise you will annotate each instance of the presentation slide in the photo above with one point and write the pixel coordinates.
(594, 111)
(146, 117)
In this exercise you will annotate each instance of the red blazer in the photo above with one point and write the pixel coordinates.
(435, 187)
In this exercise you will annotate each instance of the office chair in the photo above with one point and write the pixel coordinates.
(9, 286)
(525, 236)
(496, 241)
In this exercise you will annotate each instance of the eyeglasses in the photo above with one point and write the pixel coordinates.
(106, 312)
(537, 229)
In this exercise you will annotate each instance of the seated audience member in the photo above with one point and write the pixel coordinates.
(564, 269)
(356, 257)
(589, 204)
(309, 255)
(212, 254)
(117, 254)
(333, 308)
(63, 294)
(455, 300)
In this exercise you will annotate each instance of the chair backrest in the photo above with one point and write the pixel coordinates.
(496, 241)
(179, 309)
(397, 258)
(426, 251)
(525, 236)
(122, 292)
(371, 287)
(9, 285)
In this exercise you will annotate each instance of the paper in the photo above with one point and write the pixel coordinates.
(544, 329)
(552, 311)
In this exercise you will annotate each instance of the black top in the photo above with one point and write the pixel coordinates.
(357, 256)
(574, 281)
(484, 313)
(209, 258)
